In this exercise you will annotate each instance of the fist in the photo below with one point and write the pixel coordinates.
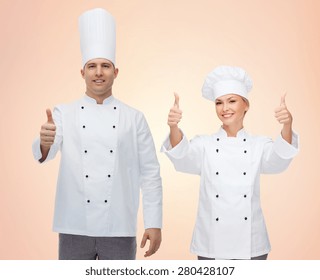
(48, 131)
(282, 114)
(175, 113)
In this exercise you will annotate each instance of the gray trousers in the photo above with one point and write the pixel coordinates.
(262, 257)
(79, 247)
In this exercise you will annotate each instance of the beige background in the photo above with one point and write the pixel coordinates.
(163, 46)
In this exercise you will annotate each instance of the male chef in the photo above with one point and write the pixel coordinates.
(107, 155)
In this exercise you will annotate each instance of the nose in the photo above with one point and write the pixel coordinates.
(225, 106)
(99, 71)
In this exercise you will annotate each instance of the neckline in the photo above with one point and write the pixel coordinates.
(240, 134)
(106, 101)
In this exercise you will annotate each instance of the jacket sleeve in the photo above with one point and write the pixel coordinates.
(186, 156)
(277, 155)
(56, 115)
(150, 180)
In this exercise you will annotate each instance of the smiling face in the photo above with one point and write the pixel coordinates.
(231, 109)
(99, 75)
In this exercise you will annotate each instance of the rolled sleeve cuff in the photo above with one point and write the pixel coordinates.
(153, 217)
(153, 225)
(37, 154)
(286, 150)
(179, 151)
(36, 150)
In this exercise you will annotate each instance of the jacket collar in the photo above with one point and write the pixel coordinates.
(240, 134)
(91, 100)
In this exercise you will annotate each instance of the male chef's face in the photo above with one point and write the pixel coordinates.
(231, 109)
(99, 74)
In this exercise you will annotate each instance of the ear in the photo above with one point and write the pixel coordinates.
(116, 72)
(247, 104)
(82, 73)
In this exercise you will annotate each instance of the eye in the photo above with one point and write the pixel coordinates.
(233, 101)
(218, 103)
(106, 65)
(91, 66)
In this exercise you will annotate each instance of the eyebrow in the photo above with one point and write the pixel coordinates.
(227, 98)
(103, 63)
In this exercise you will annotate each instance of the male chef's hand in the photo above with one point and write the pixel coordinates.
(284, 117)
(154, 235)
(48, 131)
(47, 135)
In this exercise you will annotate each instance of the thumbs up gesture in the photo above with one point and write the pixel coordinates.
(282, 114)
(175, 113)
(48, 131)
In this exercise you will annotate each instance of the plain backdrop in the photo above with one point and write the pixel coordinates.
(162, 47)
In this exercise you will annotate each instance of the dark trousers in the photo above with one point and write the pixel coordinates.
(262, 257)
(79, 247)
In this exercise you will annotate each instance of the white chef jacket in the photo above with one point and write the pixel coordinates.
(230, 223)
(107, 154)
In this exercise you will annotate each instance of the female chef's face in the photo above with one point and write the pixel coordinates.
(99, 75)
(231, 109)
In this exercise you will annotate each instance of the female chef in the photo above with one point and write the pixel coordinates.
(230, 223)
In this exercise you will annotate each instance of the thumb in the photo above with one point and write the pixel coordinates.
(176, 100)
(283, 100)
(49, 116)
(144, 240)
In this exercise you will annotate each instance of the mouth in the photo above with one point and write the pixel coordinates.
(227, 115)
(98, 81)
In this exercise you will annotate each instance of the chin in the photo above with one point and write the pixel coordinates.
(98, 93)
(227, 120)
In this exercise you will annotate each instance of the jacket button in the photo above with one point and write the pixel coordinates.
(114, 126)
(85, 151)
(245, 196)
(109, 175)
(245, 218)
(244, 173)
(114, 108)
(217, 196)
(111, 151)
(217, 173)
(218, 139)
(88, 201)
(217, 150)
(245, 151)
(217, 219)
(244, 140)
(105, 201)
(87, 176)
(82, 107)
(84, 126)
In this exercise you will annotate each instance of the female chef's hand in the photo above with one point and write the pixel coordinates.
(174, 117)
(154, 235)
(175, 114)
(47, 135)
(284, 117)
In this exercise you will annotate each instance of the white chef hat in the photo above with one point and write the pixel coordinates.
(225, 80)
(97, 29)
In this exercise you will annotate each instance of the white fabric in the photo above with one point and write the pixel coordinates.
(118, 161)
(97, 30)
(226, 80)
(230, 169)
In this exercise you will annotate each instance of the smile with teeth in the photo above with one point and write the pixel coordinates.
(227, 115)
(98, 81)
